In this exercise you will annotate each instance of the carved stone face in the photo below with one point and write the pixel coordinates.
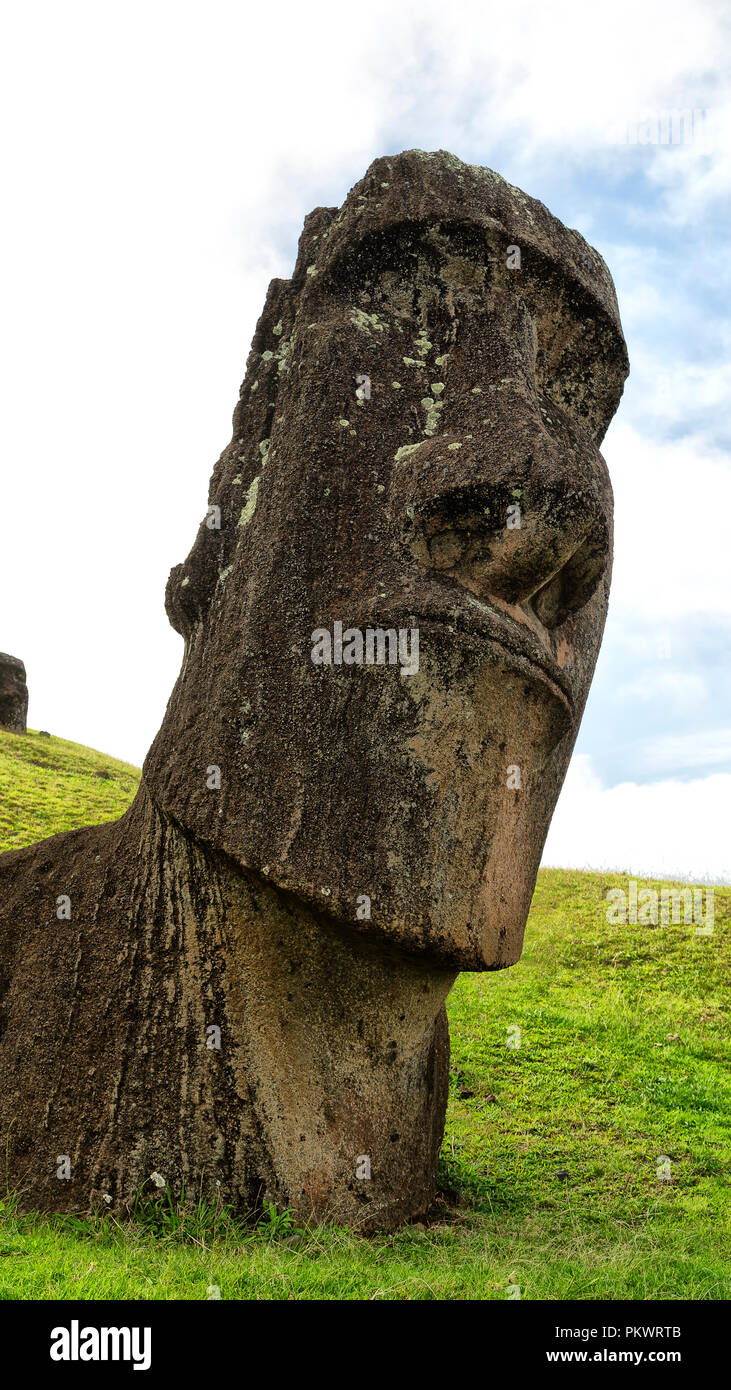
(13, 694)
(416, 447)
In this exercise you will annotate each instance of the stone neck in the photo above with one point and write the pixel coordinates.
(334, 1049)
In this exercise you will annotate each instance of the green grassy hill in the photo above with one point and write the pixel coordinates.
(48, 785)
(592, 1161)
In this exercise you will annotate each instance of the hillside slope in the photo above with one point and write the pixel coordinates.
(48, 785)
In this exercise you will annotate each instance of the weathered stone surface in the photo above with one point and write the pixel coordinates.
(410, 387)
(13, 694)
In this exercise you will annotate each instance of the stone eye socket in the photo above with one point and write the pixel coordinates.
(412, 266)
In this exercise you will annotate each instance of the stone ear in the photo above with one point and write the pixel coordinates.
(190, 586)
(178, 615)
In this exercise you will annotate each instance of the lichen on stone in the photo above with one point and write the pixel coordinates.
(432, 409)
(251, 498)
(365, 322)
(406, 449)
(282, 354)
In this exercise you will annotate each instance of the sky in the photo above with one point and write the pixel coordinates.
(157, 162)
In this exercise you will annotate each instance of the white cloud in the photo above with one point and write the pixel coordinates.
(694, 181)
(682, 394)
(678, 690)
(664, 829)
(563, 73)
(700, 748)
(672, 503)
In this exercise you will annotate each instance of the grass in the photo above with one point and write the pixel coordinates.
(552, 1148)
(48, 785)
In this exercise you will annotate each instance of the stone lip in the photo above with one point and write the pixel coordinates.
(13, 694)
(442, 607)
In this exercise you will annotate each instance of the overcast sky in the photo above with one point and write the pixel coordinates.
(157, 162)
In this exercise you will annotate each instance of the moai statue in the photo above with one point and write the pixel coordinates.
(13, 694)
(391, 616)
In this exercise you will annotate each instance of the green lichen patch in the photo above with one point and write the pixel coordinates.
(251, 498)
(282, 354)
(432, 409)
(366, 322)
(405, 450)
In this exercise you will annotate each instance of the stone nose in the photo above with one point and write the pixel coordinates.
(518, 514)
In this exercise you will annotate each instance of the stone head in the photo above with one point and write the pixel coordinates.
(13, 694)
(415, 451)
